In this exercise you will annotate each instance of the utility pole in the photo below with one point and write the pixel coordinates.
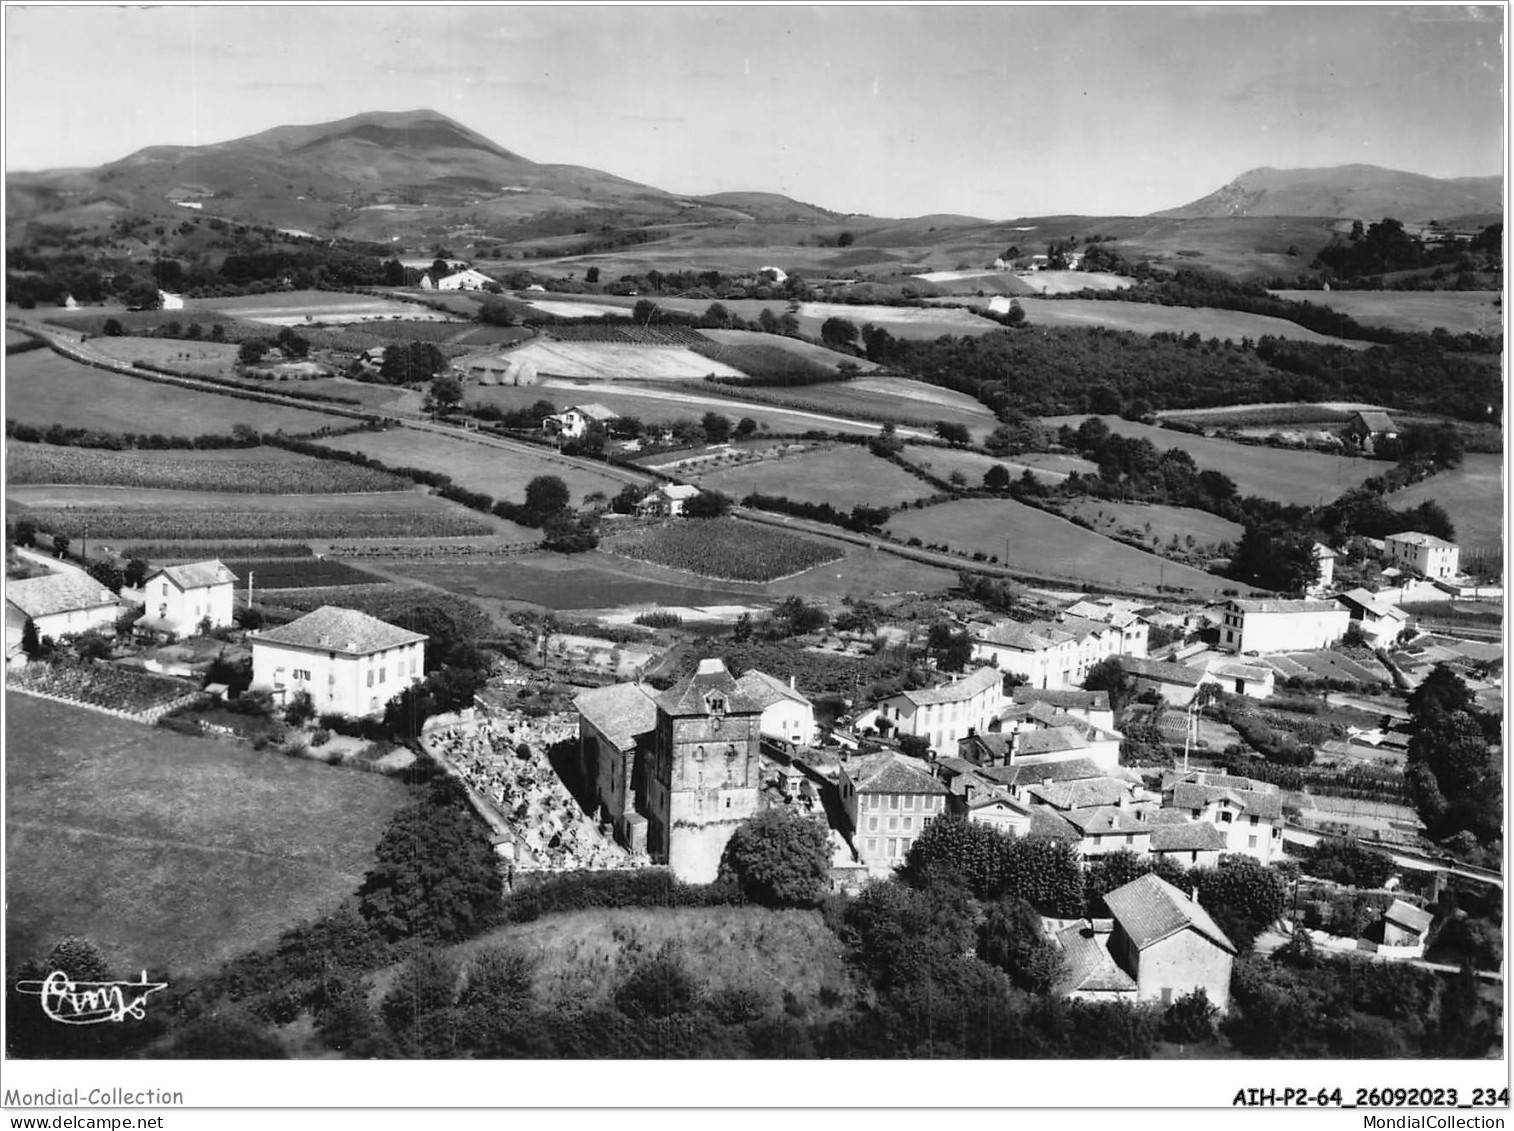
(249, 589)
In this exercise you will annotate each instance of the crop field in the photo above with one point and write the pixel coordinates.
(628, 335)
(920, 393)
(162, 553)
(296, 308)
(298, 573)
(269, 471)
(1299, 477)
(806, 351)
(502, 472)
(1291, 416)
(101, 685)
(171, 852)
(211, 359)
(92, 321)
(1045, 466)
(1473, 495)
(843, 476)
(609, 361)
(725, 549)
(1149, 318)
(1458, 312)
(1045, 545)
(900, 399)
(43, 388)
(900, 321)
(1157, 525)
(584, 309)
(162, 515)
(1070, 282)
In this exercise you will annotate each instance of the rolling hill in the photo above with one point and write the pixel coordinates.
(1347, 191)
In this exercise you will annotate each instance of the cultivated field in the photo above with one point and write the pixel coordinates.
(1473, 496)
(804, 350)
(172, 852)
(581, 309)
(145, 515)
(271, 471)
(1157, 525)
(900, 321)
(502, 472)
(209, 359)
(1299, 477)
(1045, 545)
(1069, 282)
(1456, 311)
(725, 549)
(1149, 318)
(298, 573)
(900, 399)
(1284, 415)
(296, 308)
(43, 388)
(1045, 466)
(843, 476)
(610, 361)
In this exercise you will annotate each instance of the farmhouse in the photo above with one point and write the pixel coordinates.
(168, 301)
(787, 716)
(1193, 844)
(1366, 428)
(1281, 626)
(493, 369)
(574, 422)
(1406, 926)
(181, 598)
(1175, 683)
(1431, 557)
(349, 663)
(466, 280)
(1380, 622)
(1168, 943)
(946, 714)
(668, 500)
(1257, 681)
(889, 798)
(63, 604)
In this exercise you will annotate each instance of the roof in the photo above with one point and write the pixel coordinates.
(765, 690)
(197, 575)
(1376, 421)
(620, 712)
(1416, 919)
(1149, 909)
(1067, 700)
(679, 491)
(1283, 606)
(958, 690)
(1372, 604)
(1230, 669)
(689, 696)
(1034, 636)
(1101, 820)
(1188, 795)
(1323, 551)
(990, 799)
(1035, 773)
(892, 773)
(340, 630)
(1415, 538)
(1050, 824)
(1089, 965)
(1081, 793)
(1051, 740)
(1186, 836)
(595, 412)
(1161, 671)
(61, 592)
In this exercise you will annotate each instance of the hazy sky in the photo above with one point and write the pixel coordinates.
(997, 111)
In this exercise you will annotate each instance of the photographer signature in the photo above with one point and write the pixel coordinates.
(91, 1003)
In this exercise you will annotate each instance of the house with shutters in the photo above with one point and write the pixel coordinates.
(668, 500)
(348, 662)
(1431, 557)
(181, 598)
(787, 715)
(1248, 813)
(945, 714)
(1380, 621)
(1168, 944)
(889, 798)
(1263, 626)
(61, 604)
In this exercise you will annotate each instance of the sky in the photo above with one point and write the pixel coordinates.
(997, 111)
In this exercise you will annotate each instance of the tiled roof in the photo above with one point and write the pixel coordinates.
(1102, 820)
(340, 630)
(1029, 637)
(1283, 606)
(596, 412)
(1001, 799)
(1323, 551)
(965, 688)
(1377, 421)
(1066, 700)
(993, 746)
(1188, 795)
(688, 697)
(1088, 963)
(1161, 672)
(765, 690)
(1050, 824)
(1415, 538)
(1050, 740)
(1150, 910)
(61, 592)
(620, 711)
(1081, 793)
(1186, 836)
(1229, 669)
(197, 575)
(680, 491)
(892, 773)
(1034, 773)
(1407, 915)
(1370, 602)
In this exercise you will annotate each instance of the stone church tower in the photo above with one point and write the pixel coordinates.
(704, 772)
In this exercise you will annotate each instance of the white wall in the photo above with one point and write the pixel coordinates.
(338, 682)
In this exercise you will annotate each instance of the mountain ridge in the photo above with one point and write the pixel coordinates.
(1354, 191)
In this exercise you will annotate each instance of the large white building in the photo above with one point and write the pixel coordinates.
(1058, 655)
(62, 604)
(180, 598)
(787, 715)
(349, 662)
(1432, 557)
(1281, 626)
(946, 714)
(1249, 814)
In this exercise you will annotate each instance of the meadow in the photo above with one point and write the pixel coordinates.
(615, 362)
(1305, 478)
(899, 399)
(725, 549)
(262, 470)
(806, 351)
(297, 308)
(501, 472)
(900, 321)
(1473, 495)
(171, 852)
(43, 388)
(1044, 545)
(1459, 312)
(1045, 466)
(298, 573)
(208, 359)
(843, 476)
(1069, 282)
(1157, 525)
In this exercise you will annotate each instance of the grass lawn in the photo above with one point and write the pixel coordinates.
(1300, 477)
(500, 472)
(211, 359)
(169, 851)
(1045, 545)
(843, 476)
(1473, 496)
(914, 322)
(1164, 522)
(1456, 311)
(1045, 466)
(43, 388)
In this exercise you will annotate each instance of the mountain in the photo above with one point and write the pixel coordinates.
(1360, 192)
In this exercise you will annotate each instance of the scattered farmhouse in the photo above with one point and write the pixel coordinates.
(181, 598)
(464, 280)
(62, 604)
(946, 714)
(668, 500)
(574, 422)
(888, 798)
(168, 301)
(1367, 427)
(1431, 557)
(1256, 681)
(787, 716)
(1168, 943)
(1405, 927)
(350, 663)
(1281, 626)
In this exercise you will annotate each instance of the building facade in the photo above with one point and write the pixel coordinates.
(181, 598)
(1281, 626)
(787, 716)
(889, 799)
(348, 662)
(944, 715)
(63, 604)
(1168, 943)
(1427, 555)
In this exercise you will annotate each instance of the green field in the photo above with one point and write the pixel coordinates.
(900, 399)
(259, 470)
(172, 852)
(1150, 318)
(1046, 466)
(497, 471)
(843, 476)
(1457, 311)
(43, 388)
(1157, 525)
(1045, 545)
(805, 350)
(207, 359)
(725, 549)
(1300, 477)
(1473, 496)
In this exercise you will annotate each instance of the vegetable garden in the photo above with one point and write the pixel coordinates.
(298, 573)
(100, 685)
(724, 549)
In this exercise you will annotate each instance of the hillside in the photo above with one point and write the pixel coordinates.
(1351, 191)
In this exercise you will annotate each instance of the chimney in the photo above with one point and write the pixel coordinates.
(792, 685)
(1193, 894)
(325, 639)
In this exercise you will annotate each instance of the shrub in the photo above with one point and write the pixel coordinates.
(779, 859)
(657, 986)
(1191, 1019)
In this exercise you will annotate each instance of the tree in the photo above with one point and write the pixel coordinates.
(1243, 896)
(953, 433)
(788, 325)
(997, 478)
(252, 350)
(300, 709)
(108, 575)
(446, 391)
(25, 532)
(1011, 938)
(845, 239)
(591, 276)
(545, 496)
(31, 643)
(838, 333)
(567, 534)
(709, 503)
(142, 295)
(113, 328)
(440, 269)
(291, 344)
(644, 311)
(1016, 315)
(745, 427)
(61, 543)
(742, 631)
(717, 428)
(658, 986)
(411, 363)
(779, 859)
(951, 647)
(1275, 556)
(1110, 675)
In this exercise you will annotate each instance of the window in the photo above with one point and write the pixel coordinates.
(1251, 842)
(893, 847)
(381, 674)
(727, 802)
(893, 824)
(370, 679)
(1226, 816)
(1193, 857)
(373, 702)
(908, 822)
(165, 589)
(872, 824)
(301, 673)
(872, 844)
(1253, 818)
(893, 801)
(909, 801)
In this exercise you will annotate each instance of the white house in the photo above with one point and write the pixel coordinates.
(667, 500)
(1256, 681)
(1432, 557)
(946, 714)
(1381, 622)
(178, 598)
(349, 662)
(1247, 812)
(168, 301)
(1324, 558)
(1168, 943)
(494, 369)
(63, 604)
(889, 798)
(467, 280)
(1281, 626)
(786, 714)
(1057, 655)
(574, 422)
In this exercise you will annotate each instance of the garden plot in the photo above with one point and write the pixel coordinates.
(612, 361)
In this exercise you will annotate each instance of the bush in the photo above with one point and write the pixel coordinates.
(1191, 1019)
(779, 859)
(658, 986)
